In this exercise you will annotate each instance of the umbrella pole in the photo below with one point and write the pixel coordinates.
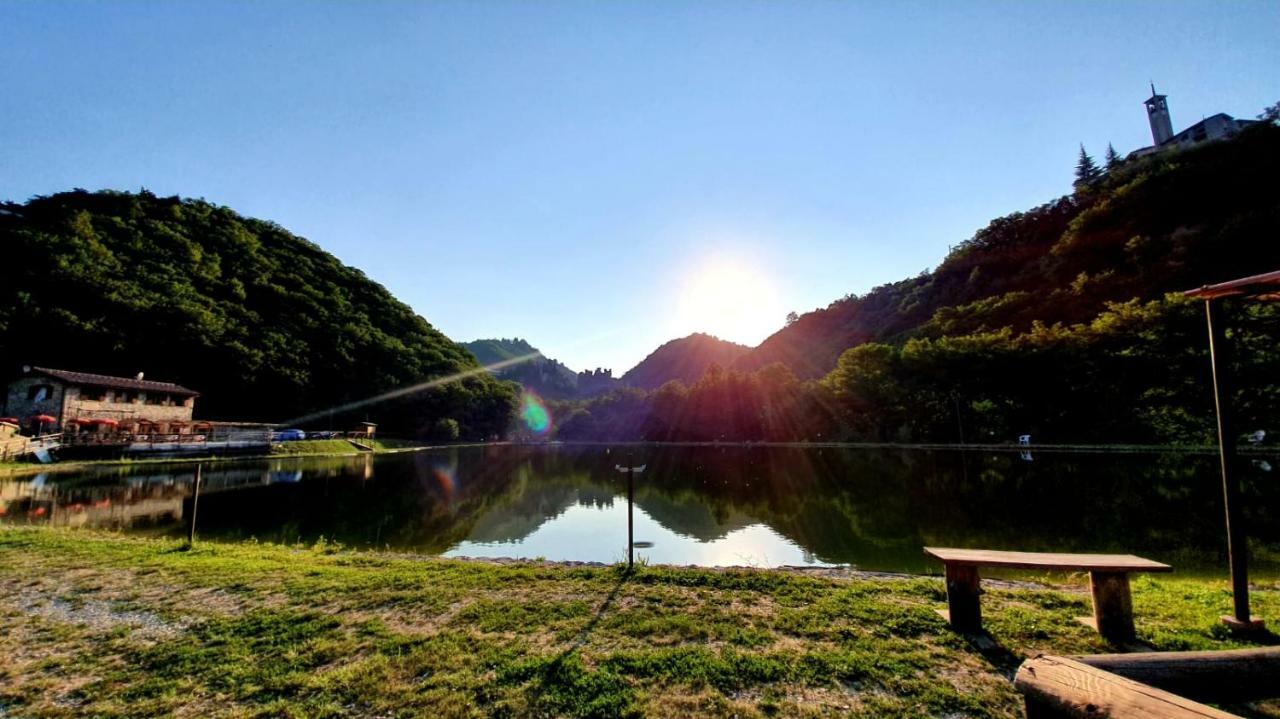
(1237, 547)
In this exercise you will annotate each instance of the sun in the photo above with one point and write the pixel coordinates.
(730, 299)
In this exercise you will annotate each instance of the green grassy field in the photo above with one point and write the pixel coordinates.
(338, 446)
(319, 447)
(102, 625)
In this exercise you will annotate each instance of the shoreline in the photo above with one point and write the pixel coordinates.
(13, 469)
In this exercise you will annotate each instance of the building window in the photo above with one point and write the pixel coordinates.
(39, 392)
(125, 397)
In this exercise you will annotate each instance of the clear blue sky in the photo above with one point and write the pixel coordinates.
(556, 171)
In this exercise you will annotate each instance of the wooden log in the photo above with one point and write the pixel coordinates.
(1061, 688)
(1237, 675)
(965, 613)
(1112, 606)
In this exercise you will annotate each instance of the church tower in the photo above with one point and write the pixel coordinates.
(1158, 115)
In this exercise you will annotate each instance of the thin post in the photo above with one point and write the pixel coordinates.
(959, 424)
(631, 523)
(631, 472)
(195, 501)
(1237, 549)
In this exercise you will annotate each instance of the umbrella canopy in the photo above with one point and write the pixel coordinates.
(10, 420)
(106, 422)
(43, 418)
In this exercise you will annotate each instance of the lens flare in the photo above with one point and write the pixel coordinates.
(430, 384)
(534, 413)
(447, 478)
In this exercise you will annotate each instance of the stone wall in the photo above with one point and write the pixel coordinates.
(21, 400)
(125, 406)
(72, 402)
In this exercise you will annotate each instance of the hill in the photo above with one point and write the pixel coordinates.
(545, 376)
(493, 351)
(1064, 322)
(685, 359)
(1151, 226)
(265, 324)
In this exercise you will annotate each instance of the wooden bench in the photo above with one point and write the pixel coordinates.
(1108, 583)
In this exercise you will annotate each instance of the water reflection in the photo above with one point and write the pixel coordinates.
(697, 505)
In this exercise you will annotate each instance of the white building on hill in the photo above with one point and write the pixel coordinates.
(1215, 127)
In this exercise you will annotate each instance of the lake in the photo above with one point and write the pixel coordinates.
(714, 506)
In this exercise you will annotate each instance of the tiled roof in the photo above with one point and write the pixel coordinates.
(102, 380)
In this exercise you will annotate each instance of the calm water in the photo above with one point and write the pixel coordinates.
(873, 509)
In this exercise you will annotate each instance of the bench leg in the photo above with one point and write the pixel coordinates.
(1112, 605)
(962, 599)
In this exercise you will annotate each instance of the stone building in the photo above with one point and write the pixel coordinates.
(1215, 127)
(79, 402)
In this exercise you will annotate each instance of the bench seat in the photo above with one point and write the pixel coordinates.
(1108, 583)
(1048, 561)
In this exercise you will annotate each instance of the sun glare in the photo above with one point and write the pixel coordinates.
(731, 300)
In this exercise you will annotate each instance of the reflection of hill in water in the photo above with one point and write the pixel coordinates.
(685, 515)
(538, 502)
(535, 505)
(871, 508)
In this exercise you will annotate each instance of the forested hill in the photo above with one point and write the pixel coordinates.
(545, 376)
(1147, 227)
(500, 350)
(685, 359)
(1063, 322)
(264, 324)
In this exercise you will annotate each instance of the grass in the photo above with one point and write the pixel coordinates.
(338, 446)
(319, 447)
(103, 625)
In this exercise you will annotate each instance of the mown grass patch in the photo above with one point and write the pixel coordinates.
(97, 624)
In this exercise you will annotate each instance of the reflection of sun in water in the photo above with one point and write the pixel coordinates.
(730, 299)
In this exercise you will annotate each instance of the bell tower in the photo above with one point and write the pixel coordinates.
(1158, 115)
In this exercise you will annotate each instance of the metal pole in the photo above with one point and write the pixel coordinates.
(195, 500)
(631, 534)
(1237, 548)
(631, 472)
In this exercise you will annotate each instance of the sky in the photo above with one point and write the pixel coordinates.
(601, 177)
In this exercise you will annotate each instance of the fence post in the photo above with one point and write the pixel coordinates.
(195, 501)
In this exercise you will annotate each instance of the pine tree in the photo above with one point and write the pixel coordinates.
(1087, 172)
(1113, 158)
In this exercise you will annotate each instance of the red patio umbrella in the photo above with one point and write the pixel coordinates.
(42, 420)
(10, 420)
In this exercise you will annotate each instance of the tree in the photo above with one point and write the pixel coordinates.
(1087, 172)
(1271, 114)
(1113, 158)
(792, 317)
(447, 429)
